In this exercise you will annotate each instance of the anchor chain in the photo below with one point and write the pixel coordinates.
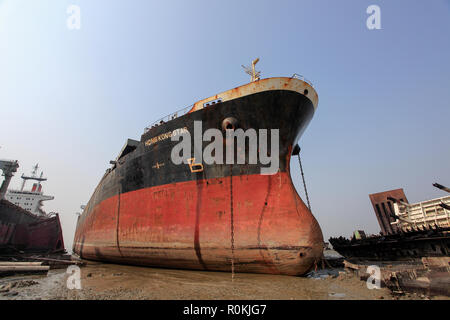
(232, 227)
(303, 178)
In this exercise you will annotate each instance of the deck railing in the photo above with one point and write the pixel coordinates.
(185, 110)
(169, 117)
(300, 77)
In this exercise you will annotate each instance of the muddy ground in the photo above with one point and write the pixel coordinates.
(110, 281)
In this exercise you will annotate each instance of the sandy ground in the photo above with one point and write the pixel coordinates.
(110, 281)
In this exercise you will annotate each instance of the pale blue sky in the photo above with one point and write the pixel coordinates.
(69, 99)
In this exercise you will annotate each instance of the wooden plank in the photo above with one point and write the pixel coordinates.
(21, 263)
(351, 265)
(59, 260)
(436, 262)
(23, 268)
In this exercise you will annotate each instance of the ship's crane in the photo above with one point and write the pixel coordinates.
(8, 167)
(440, 186)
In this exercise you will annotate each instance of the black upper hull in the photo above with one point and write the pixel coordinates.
(149, 166)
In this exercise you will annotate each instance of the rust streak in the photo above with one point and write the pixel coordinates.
(117, 225)
(197, 225)
(269, 264)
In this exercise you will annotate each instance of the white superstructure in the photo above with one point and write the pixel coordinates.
(30, 200)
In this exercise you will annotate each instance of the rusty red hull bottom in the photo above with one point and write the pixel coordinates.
(190, 225)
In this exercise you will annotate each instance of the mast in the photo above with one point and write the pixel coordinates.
(255, 75)
(33, 177)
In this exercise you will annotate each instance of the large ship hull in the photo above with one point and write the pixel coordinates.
(22, 231)
(149, 211)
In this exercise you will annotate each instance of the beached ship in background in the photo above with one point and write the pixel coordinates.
(409, 231)
(24, 226)
(148, 211)
(412, 250)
